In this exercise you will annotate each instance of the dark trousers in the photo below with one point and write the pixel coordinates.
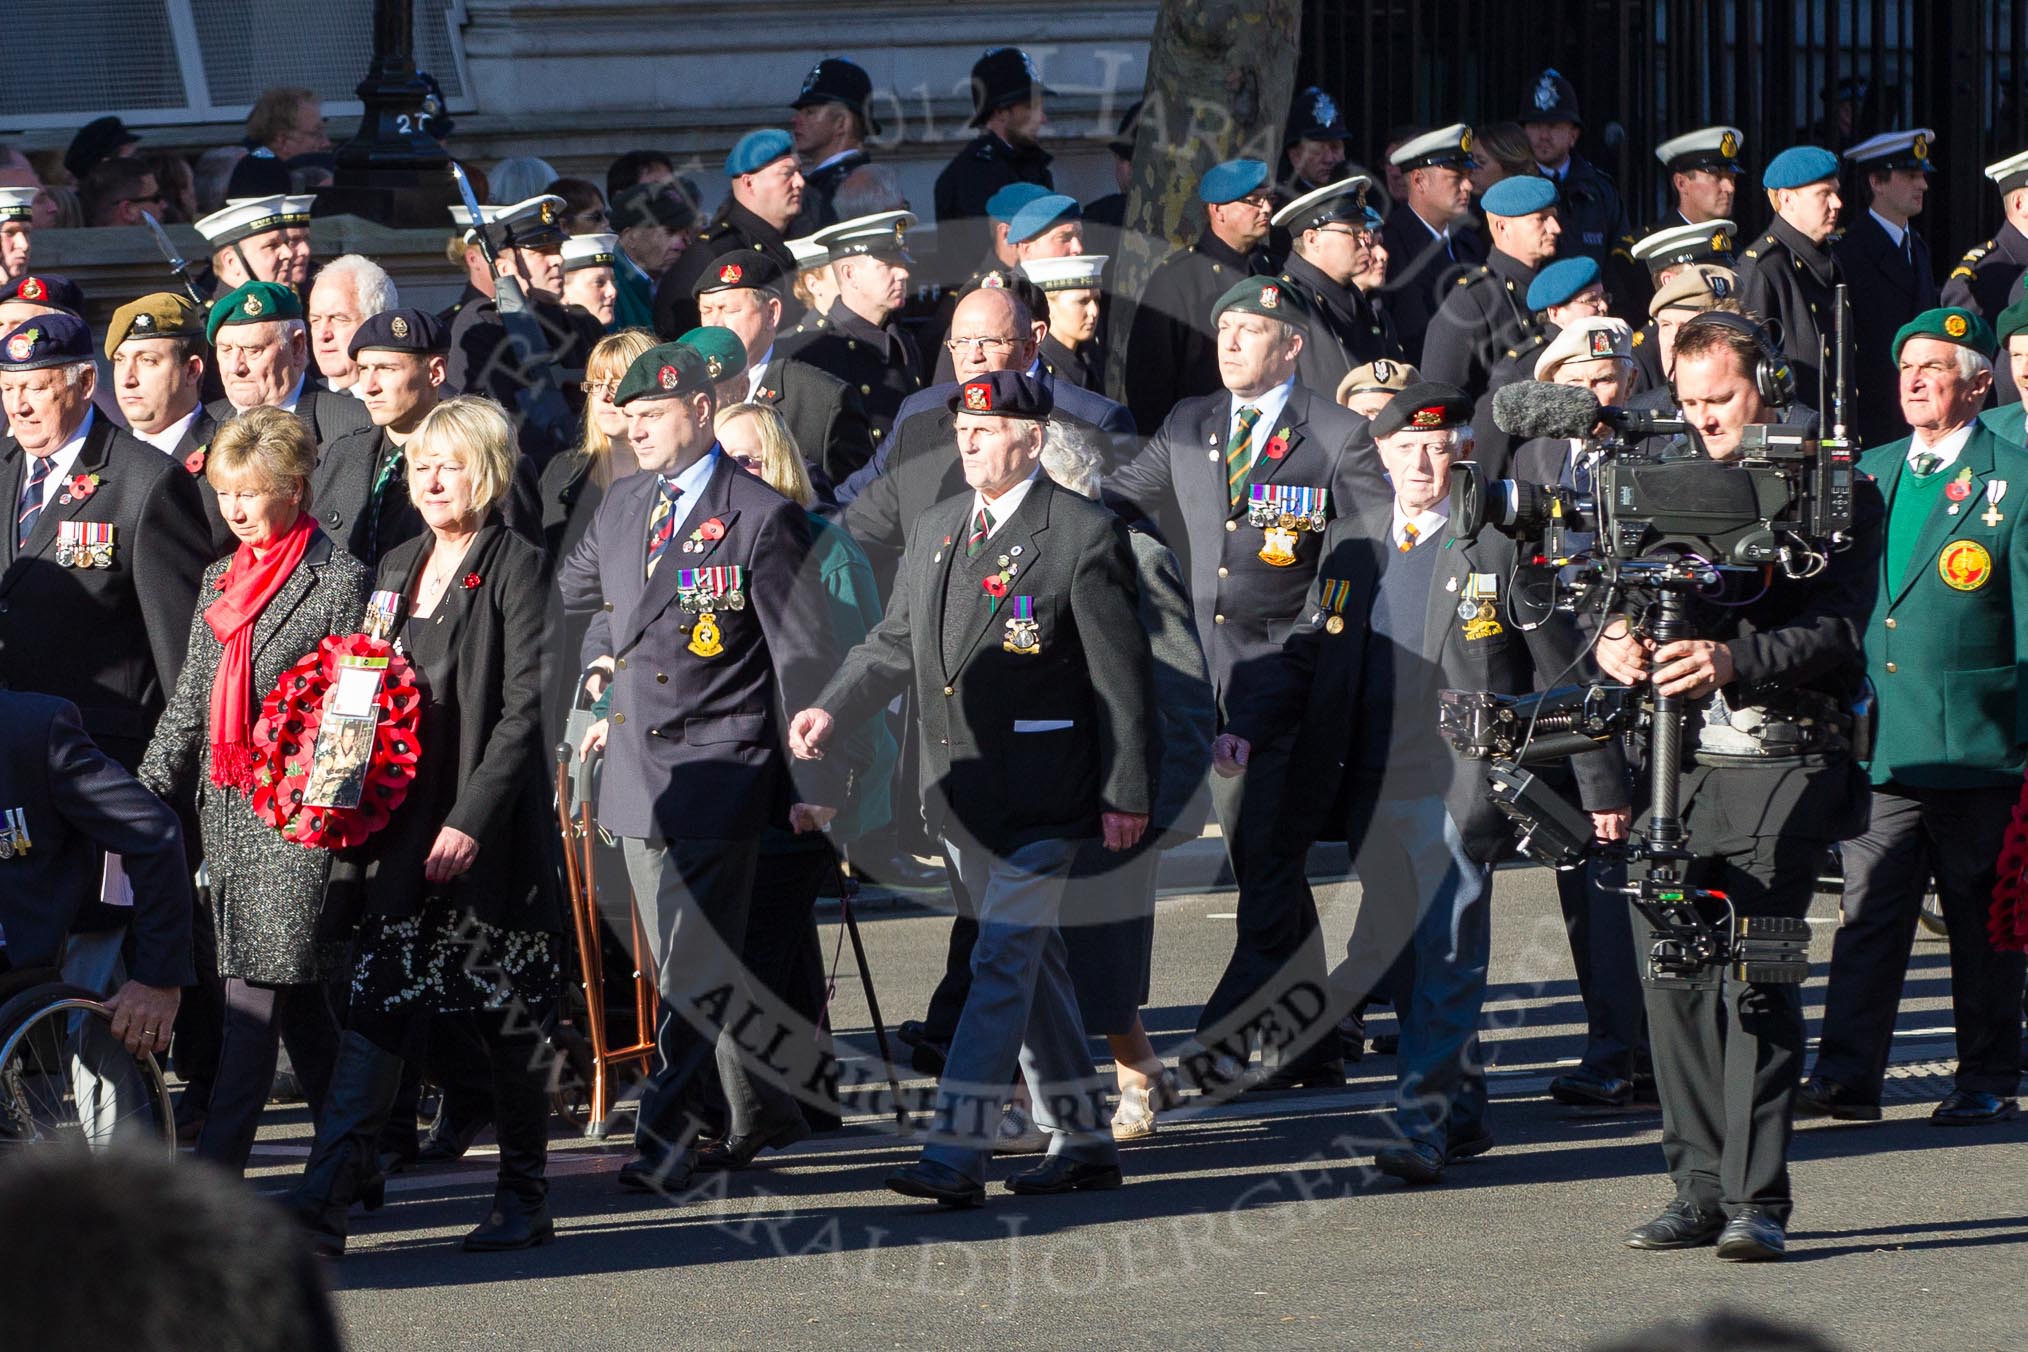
(258, 1019)
(947, 1001)
(1278, 945)
(1951, 836)
(200, 1018)
(781, 960)
(1600, 924)
(692, 898)
(1729, 1053)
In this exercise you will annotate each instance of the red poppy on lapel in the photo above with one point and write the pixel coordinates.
(713, 529)
(1277, 447)
(472, 580)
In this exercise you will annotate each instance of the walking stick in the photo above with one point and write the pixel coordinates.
(848, 888)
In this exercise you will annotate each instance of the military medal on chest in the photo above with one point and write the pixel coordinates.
(1024, 631)
(704, 592)
(84, 544)
(1480, 609)
(1283, 512)
(1335, 593)
(1995, 490)
(13, 832)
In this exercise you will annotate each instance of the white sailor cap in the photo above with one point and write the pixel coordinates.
(1705, 148)
(1895, 150)
(1587, 339)
(1340, 202)
(2010, 173)
(884, 234)
(17, 204)
(1706, 242)
(244, 217)
(1075, 273)
(1446, 147)
(534, 222)
(589, 251)
(808, 253)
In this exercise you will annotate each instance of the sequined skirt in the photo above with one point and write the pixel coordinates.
(446, 961)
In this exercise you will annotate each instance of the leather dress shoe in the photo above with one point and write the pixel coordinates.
(1468, 1144)
(1752, 1236)
(659, 1170)
(1680, 1226)
(1352, 1037)
(1586, 1088)
(1970, 1108)
(937, 1183)
(1060, 1173)
(1386, 1044)
(446, 1141)
(1315, 1075)
(928, 1057)
(910, 1031)
(1821, 1097)
(737, 1152)
(1411, 1162)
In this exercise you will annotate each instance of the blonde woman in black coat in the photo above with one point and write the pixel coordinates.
(457, 899)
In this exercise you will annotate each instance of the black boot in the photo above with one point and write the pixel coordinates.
(520, 1215)
(344, 1165)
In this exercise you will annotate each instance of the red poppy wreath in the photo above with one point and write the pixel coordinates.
(285, 736)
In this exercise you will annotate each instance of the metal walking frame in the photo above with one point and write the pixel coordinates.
(599, 1056)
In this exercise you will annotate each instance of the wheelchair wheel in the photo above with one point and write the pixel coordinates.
(65, 1080)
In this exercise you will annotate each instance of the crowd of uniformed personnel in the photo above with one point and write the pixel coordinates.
(1038, 602)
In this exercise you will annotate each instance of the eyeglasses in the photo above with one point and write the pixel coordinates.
(995, 346)
(599, 389)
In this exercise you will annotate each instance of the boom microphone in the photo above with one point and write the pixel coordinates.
(1536, 408)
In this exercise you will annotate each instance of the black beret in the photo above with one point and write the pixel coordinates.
(754, 271)
(46, 288)
(45, 341)
(1003, 394)
(1428, 407)
(416, 331)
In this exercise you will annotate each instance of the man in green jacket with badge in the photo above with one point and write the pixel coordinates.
(1944, 648)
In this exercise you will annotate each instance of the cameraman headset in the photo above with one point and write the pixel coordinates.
(1769, 781)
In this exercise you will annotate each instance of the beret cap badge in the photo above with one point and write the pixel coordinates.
(33, 289)
(731, 273)
(398, 327)
(668, 377)
(144, 321)
(22, 345)
(1955, 325)
(1426, 417)
(713, 367)
(1270, 297)
(979, 398)
(252, 306)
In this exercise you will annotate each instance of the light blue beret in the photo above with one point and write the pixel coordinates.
(1799, 165)
(1520, 195)
(1002, 205)
(1045, 212)
(1232, 180)
(1560, 281)
(758, 148)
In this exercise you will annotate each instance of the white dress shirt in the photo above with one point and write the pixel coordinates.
(1426, 523)
(166, 440)
(61, 460)
(1945, 450)
(1002, 507)
(758, 372)
(1894, 232)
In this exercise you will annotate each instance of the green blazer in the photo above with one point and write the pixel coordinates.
(2007, 422)
(1947, 639)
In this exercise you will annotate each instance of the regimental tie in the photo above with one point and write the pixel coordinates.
(662, 522)
(1239, 455)
(31, 499)
(1408, 536)
(1925, 463)
(395, 464)
(982, 530)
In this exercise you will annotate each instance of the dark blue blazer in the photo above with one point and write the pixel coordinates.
(79, 804)
(698, 745)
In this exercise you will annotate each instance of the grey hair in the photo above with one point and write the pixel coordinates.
(75, 372)
(518, 178)
(868, 189)
(1071, 457)
(372, 288)
(1972, 364)
(1461, 436)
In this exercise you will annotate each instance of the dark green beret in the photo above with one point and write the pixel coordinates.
(253, 303)
(723, 352)
(1952, 325)
(663, 372)
(2012, 320)
(1268, 296)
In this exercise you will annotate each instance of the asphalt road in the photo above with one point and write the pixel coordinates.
(1256, 1223)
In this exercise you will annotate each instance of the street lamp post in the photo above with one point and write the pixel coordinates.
(393, 170)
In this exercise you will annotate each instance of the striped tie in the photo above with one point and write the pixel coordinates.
(31, 499)
(1408, 536)
(1239, 454)
(982, 527)
(1926, 463)
(662, 523)
(396, 463)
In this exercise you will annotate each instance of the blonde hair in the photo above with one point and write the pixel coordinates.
(474, 431)
(270, 445)
(610, 357)
(781, 461)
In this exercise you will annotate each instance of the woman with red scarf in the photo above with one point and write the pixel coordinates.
(278, 595)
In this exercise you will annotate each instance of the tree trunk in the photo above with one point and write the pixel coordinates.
(1220, 77)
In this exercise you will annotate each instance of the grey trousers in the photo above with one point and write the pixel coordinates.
(1021, 1012)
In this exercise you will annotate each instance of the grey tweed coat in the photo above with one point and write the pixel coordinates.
(266, 892)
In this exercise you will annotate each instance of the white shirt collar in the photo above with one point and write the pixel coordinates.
(1945, 450)
(61, 460)
(757, 373)
(166, 440)
(1894, 232)
(1270, 405)
(1426, 523)
(1002, 507)
(1444, 233)
(830, 160)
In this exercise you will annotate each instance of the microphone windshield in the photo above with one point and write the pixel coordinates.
(1536, 408)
